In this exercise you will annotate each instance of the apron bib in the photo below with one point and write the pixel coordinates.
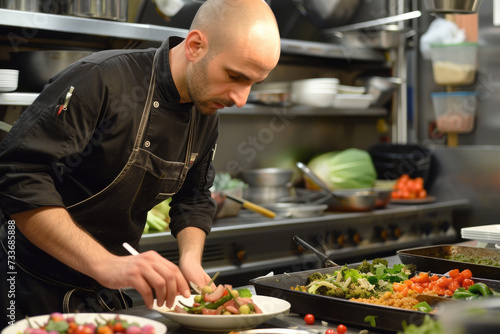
(119, 209)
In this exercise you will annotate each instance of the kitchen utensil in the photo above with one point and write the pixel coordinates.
(267, 195)
(115, 10)
(251, 206)
(433, 301)
(453, 6)
(297, 210)
(342, 199)
(37, 67)
(383, 37)
(327, 13)
(435, 259)
(374, 23)
(381, 88)
(267, 177)
(132, 251)
(323, 258)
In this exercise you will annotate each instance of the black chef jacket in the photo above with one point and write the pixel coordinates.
(50, 160)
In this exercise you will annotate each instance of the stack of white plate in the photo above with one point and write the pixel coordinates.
(318, 92)
(484, 233)
(8, 80)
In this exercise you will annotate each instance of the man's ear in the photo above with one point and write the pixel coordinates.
(196, 45)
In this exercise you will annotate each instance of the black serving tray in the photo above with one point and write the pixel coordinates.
(388, 319)
(432, 258)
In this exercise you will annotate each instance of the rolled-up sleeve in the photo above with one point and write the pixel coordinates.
(193, 205)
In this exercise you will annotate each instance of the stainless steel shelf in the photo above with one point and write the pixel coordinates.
(148, 32)
(25, 99)
(17, 99)
(87, 26)
(263, 110)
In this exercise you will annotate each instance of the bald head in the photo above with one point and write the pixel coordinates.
(226, 23)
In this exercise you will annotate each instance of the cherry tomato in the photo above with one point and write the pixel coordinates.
(454, 273)
(309, 319)
(329, 331)
(118, 327)
(467, 282)
(341, 329)
(466, 273)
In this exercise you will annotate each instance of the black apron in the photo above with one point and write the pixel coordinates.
(122, 206)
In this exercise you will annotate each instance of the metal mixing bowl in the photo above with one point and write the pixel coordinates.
(267, 177)
(37, 67)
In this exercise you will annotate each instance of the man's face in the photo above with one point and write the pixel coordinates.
(224, 80)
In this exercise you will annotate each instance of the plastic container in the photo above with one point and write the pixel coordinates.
(454, 64)
(393, 160)
(455, 111)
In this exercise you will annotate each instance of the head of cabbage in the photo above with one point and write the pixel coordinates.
(347, 169)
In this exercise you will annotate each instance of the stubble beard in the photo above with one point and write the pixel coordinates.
(198, 87)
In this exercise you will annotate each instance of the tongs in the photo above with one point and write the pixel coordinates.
(324, 259)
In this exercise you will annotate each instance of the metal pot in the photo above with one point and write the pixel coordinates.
(265, 195)
(115, 10)
(327, 13)
(26, 5)
(453, 6)
(37, 67)
(267, 177)
(385, 37)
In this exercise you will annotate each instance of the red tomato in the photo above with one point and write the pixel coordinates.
(81, 329)
(329, 331)
(453, 285)
(309, 319)
(467, 282)
(454, 273)
(466, 273)
(438, 290)
(341, 329)
(422, 193)
(118, 327)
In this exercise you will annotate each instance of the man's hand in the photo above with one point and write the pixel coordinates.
(52, 230)
(197, 275)
(146, 272)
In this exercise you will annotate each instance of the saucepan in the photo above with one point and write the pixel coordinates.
(342, 200)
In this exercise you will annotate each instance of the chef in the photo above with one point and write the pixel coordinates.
(107, 139)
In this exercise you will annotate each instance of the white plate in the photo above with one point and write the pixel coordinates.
(83, 318)
(271, 307)
(484, 229)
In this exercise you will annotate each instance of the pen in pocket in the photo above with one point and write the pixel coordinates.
(66, 101)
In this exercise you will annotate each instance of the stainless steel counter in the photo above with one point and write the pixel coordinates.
(249, 245)
(291, 320)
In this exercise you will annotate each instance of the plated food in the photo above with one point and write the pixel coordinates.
(86, 323)
(270, 306)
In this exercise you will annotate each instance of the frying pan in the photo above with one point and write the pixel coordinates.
(342, 200)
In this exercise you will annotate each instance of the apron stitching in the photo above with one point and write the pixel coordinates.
(139, 136)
